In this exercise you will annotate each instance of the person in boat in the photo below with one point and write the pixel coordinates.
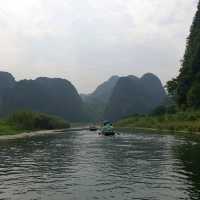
(93, 128)
(107, 127)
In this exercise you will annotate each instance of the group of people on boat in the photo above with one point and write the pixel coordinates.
(106, 129)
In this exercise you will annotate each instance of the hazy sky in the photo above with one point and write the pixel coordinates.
(87, 41)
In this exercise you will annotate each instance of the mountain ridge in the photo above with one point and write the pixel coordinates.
(133, 95)
(113, 99)
(49, 95)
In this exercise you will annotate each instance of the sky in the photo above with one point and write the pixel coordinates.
(88, 41)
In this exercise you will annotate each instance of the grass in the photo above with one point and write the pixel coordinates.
(181, 121)
(27, 121)
(8, 129)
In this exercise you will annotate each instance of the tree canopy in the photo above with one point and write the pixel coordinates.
(186, 87)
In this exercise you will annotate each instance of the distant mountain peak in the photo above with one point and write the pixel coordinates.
(55, 96)
(48, 79)
(113, 77)
(133, 95)
(6, 80)
(103, 92)
(150, 76)
(132, 77)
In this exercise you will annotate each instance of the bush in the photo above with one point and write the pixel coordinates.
(161, 110)
(36, 121)
(181, 121)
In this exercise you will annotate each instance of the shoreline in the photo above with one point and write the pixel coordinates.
(31, 134)
(158, 130)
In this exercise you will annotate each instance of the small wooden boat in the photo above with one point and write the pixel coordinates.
(107, 129)
(93, 128)
(108, 133)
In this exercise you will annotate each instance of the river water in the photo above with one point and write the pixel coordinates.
(82, 165)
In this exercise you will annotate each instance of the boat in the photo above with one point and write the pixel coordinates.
(107, 129)
(108, 133)
(93, 128)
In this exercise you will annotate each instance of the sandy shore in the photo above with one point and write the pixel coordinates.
(38, 133)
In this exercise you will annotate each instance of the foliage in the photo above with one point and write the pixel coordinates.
(30, 121)
(186, 86)
(193, 97)
(8, 129)
(172, 88)
(180, 121)
(36, 121)
(159, 110)
(164, 109)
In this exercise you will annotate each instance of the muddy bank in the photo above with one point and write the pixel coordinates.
(39, 133)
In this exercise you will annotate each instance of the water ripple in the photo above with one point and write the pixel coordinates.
(82, 165)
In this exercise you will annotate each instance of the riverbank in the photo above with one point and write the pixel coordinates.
(31, 134)
(154, 130)
(182, 122)
(24, 135)
(28, 122)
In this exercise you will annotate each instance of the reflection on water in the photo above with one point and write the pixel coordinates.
(83, 165)
(189, 154)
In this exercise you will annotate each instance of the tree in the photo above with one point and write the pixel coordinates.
(172, 88)
(193, 97)
(186, 85)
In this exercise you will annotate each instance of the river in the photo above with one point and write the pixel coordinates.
(82, 165)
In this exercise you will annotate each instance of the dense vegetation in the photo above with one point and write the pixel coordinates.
(30, 121)
(181, 121)
(185, 89)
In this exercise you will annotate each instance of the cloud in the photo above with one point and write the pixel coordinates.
(88, 41)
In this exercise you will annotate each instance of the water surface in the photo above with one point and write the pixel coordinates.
(83, 165)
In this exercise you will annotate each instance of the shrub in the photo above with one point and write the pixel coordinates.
(161, 110)
(34, 121)
(181, 121)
